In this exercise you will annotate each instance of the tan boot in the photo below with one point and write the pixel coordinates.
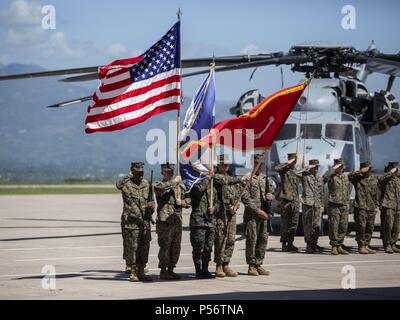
(341, 250)
(219, 272)
(128, 269)
(388, 249)
(229, 272)
(395, 249)
(252, 271)
(165, 275)
(334, 250)
(363, 250)
(262, 272)
(142, 276)
(133, 277)
(371, 251)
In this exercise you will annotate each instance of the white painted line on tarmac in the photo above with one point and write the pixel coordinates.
(84, 258)
(56, 248)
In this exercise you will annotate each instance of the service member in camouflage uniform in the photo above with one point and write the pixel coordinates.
(312, 205)
(290, 202)
(365, 205)
(338, 205)
(389, 184)
(228, 189)
(255, 219)
(135, 191)
(202, 225)
(169, 220)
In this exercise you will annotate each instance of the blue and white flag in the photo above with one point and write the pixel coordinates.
(199, 119)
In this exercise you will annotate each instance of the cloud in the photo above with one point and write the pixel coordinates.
(250, 49)
(24, 38)
(117, 50)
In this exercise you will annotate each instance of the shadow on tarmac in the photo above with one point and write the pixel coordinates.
(327, 294)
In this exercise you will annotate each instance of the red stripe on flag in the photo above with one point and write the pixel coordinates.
(125, 124)
(132, 107)
(156, 84)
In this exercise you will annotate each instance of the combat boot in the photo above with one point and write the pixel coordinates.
(341, 250)
(395, 249)
(370, 250)
(335, 251)
(252, 271)
(205, 273)
(142, 276)
(128, 269)
(318, 249)
(219, 272)
(262, 272)
(362, 250)
(292, 248)
(197, 266)
(174, 275)
(133, 276)
(284, 247)
(229, 272)
(310, 248)
(165, 275)
(388, 249)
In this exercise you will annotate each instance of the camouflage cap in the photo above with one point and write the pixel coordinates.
(338, 163)
(137, 166)
(291, 156)
(167, 165)
(313, 163)
(366, 164)
(392, 164)
(224, 158)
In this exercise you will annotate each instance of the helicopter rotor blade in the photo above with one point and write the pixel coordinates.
(288, 59)
(384, 66)
(70, 102)
(48, 73)
(186, 63)
(84, 77)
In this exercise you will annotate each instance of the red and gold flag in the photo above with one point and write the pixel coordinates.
(256, 129)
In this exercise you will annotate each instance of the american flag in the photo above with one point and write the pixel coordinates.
(133, 90)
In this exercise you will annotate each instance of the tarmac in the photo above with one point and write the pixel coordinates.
(70, 247)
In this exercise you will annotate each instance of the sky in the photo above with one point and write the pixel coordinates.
(90, 33)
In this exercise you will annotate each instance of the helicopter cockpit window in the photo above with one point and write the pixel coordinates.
(311, 131)
(342, 132)
(287, 132)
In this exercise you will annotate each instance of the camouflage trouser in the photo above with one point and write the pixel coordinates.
(225, 235)
(289, 220)
(256, 233)
(169, 241)
(365, 222)
(202, 240)
(311, 223)
(124, 244)
(391, 227)
(338, 223)
(137, 247)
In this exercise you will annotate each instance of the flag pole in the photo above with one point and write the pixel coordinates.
(178, 119)
(212, 170)
(255, 169)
